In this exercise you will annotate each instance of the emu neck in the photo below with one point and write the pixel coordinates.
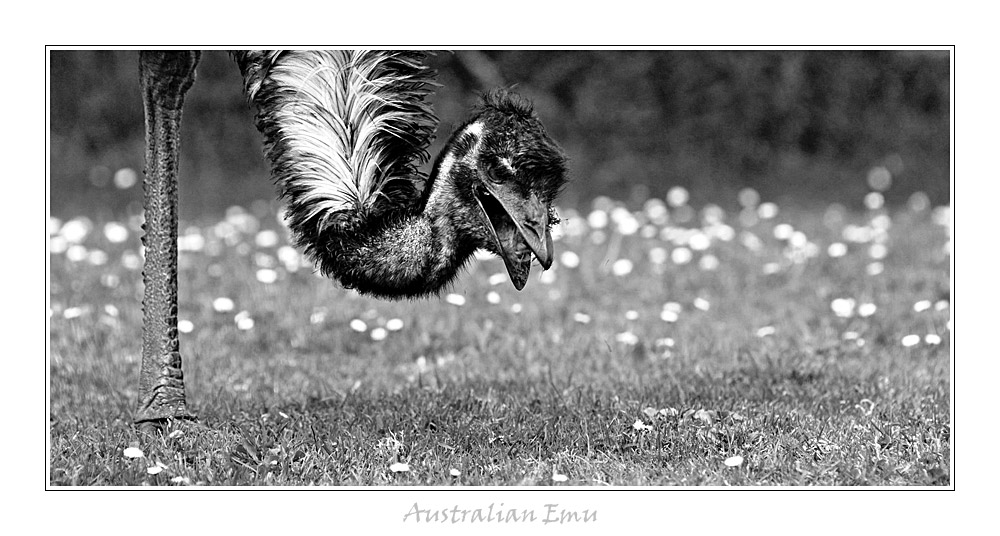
(409, 254)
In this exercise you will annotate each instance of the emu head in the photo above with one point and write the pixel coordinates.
(507, 172)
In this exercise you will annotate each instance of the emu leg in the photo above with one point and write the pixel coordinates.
(165, 76)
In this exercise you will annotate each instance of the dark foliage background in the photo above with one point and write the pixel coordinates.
(799, 126)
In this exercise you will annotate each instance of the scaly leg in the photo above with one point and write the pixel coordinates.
(165, 76)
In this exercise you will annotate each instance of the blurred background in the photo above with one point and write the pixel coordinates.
(800, 127)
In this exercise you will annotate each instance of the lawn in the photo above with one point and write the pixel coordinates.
(667, 346)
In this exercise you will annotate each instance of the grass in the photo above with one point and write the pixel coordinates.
(751, 377)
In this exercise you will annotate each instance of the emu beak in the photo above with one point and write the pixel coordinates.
(520, 228)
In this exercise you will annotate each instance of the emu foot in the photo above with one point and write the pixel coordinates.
(161, 385)
(160, 415)
(159, 426)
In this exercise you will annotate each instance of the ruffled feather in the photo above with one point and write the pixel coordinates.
(344, 132)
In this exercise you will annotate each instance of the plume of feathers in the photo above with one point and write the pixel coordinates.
(344, 132)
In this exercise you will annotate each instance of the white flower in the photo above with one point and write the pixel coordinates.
(569, 259)
(922, 306)
(243, 321)
(879, 178)
(722, 232)
(627, 337)
(115, 232)
(942, 215)
(709, 263)
(919, 202)
(288, 256)
(867, 309)
(932, 338)
(658, 255)
(783, 231)
(399, 467)
(874, 200)
(223, 305)
(626, 224)
(76, 253)
(654, 207)
(734, 461)
(681, 255)
(677, 196)
(621, 267)
(57, 245)
(748, 197)
(125, 178)
(379, 334)
(857, 234)
(712, 214)
(705, 416)
(751, 241)
(75, 230)
(493, 297)
(641, 426)
(798, 239)
(765, 331)
(394, 324)
(843, 307)
(767, 210)
(582, 318)
(266, 239)
(358, 325)
(267, 276)
(455, 299)
(597, 219)
(133, 452)
(881, 223)
(878, 251)
(701, 303)
(837, 249)
(97, 257)
(699, 242)
(911, 340)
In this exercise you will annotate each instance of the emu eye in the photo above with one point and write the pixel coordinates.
(496, 175)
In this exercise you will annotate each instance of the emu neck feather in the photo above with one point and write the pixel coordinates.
(411, 255)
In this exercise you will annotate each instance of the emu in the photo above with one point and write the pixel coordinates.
(344, 133)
